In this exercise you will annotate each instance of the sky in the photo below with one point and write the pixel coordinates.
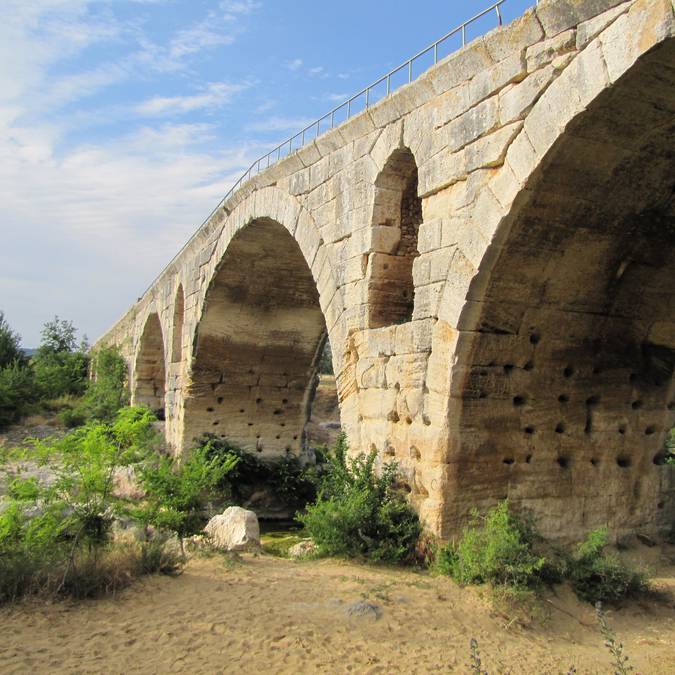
(124, 122)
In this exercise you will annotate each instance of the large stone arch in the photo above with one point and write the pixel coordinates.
(269, 302)
(562, 385)
(149, 371)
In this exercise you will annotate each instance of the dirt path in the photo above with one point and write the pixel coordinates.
(268, 615)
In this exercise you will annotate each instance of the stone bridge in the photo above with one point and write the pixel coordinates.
(490, 252)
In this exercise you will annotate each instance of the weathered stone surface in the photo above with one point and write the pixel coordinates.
(303, 549)
(235, 529)
(487, 251)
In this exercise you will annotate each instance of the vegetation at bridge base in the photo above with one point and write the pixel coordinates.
(360, 513)
(56, 535)
(504, 550)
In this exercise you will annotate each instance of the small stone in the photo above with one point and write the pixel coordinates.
(364, 609)
(303, 549)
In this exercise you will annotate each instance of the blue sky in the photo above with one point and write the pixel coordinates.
(123, 122)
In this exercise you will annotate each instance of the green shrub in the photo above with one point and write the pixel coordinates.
(179, 491)
(56, 538)
(59, 367)
(361, 514)
(108, 392)
(292, 483)
(10, 345)
(17, 392)
(597, 576)
(497, 549)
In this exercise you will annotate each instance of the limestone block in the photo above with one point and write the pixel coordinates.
(389, 140)
(505, 186)
(459, 66)
(559, 15)
(308, 154)
(519, 34)
(429, 235)
(516, 101)
(521, 156)
(647, 23)
(442, 170)
(370, 372)
(408, 370)
(490, 150)
(383, 239)
(299, 182)
(450, 105)
(376, 403)
(318, 172)
(426, 300)
(364, 144)
(235, 529)
(587, 30)
(377, 341)
(491, 80)
(357, 127)
(329, 141)
(414, 336)
(577, 85)
(473, 124)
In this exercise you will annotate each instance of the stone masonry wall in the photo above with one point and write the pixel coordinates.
(482, 127)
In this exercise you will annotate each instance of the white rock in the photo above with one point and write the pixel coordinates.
(235, 529)
(303, 549)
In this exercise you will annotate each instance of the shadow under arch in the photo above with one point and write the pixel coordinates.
(149, 380)
(177, 330)
(562, 388)
(257, 345)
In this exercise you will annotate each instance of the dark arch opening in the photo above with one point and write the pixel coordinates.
(258, 346)
(149, 371)
(397, 215)
(178, 318)
(586, 262)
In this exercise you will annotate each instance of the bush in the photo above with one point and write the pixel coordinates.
(361, 514)
(497, 549)
(178, 492)
(597, 576)
(502, 549)
(56, 537)
(292, 483)
(17, 392)
(60, 368)
(10, 345)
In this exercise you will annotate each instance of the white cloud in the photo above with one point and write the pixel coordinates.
(276, 123)
(214, 96)
(295, 64)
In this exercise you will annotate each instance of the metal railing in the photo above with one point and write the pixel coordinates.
(312, 131)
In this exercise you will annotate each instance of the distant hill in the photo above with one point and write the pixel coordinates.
(28, 352)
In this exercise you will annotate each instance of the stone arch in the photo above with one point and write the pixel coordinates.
(149, 381)
(177, 329)
(397, 215)
(270, 301)
(562, 386)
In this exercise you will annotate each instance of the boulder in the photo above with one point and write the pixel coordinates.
(303, 549)
(235, 529)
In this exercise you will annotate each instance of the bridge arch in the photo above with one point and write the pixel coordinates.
(264, 319)
(562, 387)
(149, 373)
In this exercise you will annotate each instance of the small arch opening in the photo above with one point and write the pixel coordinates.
(397, 216)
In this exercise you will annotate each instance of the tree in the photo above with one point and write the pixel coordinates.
(10, 349)
(58, 336)
(59, 369)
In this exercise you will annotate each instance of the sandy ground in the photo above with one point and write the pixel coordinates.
(270, 615)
